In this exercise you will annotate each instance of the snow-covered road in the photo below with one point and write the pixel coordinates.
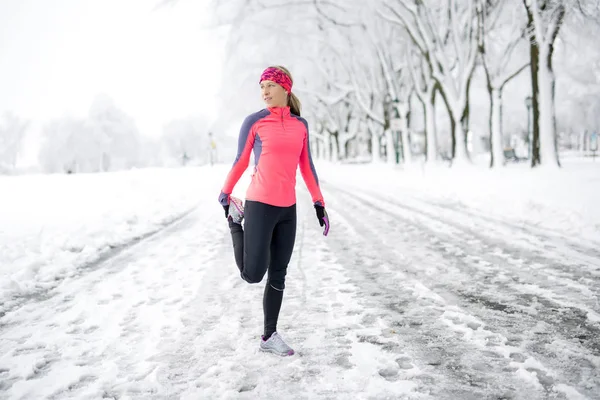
(406, 298)
(501, 308)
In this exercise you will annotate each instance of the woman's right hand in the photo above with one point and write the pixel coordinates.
(224, 201)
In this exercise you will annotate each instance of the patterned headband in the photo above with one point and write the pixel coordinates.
(278, 76)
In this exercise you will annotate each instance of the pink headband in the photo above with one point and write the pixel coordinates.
(278, 76)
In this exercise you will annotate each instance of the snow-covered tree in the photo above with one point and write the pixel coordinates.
(503, 47)
(67, 147)
(115, 133)
(425, 88)
(578, 78)
(186, 141)
(447, 37)
(106, 140)
(320, 52)
(348, 58)
(545, 19)
(12, 132)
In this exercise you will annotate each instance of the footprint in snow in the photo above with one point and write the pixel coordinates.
(154, 300)
(78, 321)
(337, 332)
(474, 325)
(83, 381)
(343, 360)
(247, 387)
(27, 350)
(174, 301)
(404, 363)
(91, 329)
(41, 368)
(368, 319)
(389, 373)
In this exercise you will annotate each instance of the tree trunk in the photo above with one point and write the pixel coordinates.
(335, 147)
(461, 155)
(318, 147)
(326, 146)
(391, 147)
(534, 52)
(453, 136)
(347, 147)
(497, 159)
(403, 111)
(375, 147)
(465, 118)
(459, 143)
(548, 134)
(431, 130)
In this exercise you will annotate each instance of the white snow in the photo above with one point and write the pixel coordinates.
(566, 201)
(51, 225)
(437, 284)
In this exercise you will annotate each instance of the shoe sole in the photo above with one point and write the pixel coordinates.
(286, 354)
(239, 208)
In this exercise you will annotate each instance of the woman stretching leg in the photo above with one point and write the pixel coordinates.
(278, 136)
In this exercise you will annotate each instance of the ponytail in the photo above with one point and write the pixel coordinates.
(294, 104)
(293, 101)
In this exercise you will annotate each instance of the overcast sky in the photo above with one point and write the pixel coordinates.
(55, 56)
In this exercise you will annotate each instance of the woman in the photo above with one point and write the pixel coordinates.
(279, 138)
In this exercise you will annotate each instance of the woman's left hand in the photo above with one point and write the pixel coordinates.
(323, 218)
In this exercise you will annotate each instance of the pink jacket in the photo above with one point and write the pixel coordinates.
(279, 140)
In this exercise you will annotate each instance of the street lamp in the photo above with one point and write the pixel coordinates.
(529, 104)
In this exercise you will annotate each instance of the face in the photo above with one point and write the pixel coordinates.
(273, 94)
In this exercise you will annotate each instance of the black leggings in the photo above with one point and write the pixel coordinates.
(265, 244)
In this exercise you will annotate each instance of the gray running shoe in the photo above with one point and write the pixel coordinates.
(276, 345)
(236, 210)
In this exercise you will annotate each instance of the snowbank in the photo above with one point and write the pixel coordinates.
(51, 225)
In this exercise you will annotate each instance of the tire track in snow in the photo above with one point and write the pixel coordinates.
(588, 251)
(580, 259)
(465, 273)
(578, 264)
(560, 284)
(582, 248)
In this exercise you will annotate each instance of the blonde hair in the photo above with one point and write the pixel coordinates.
(293, 101)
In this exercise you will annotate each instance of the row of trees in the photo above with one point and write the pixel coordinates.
(359, 66)
(365, 62)
(107, 139)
